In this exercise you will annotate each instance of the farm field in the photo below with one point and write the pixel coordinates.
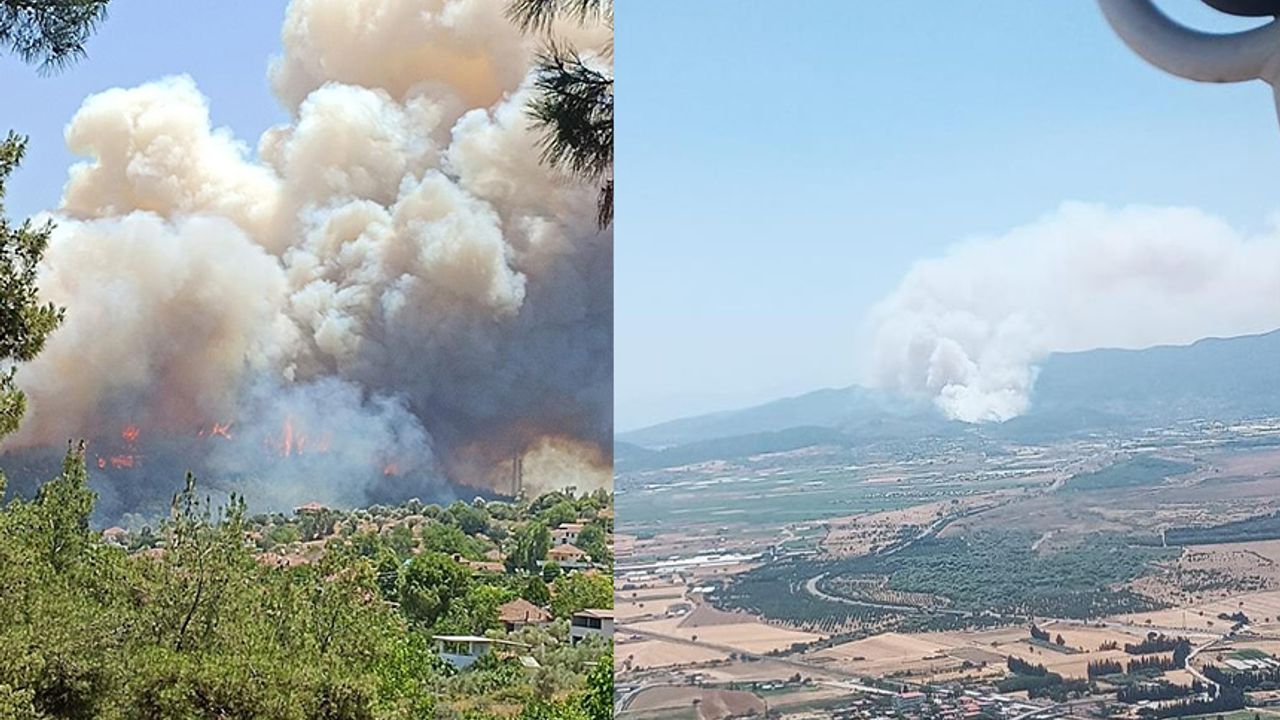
(929, 572)
(712, 704)
(752, 636)
(644, 654)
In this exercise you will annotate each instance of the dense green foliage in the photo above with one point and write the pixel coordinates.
(1156, 642)
(1264, 679)
(999, 571)
(776, 591)
(579, 591)
(985, 579)
(1261, 527)
(1226, 700)
(202, 627)
(1139, 471)
(51, 33)
(1138, 692)
(25, 322)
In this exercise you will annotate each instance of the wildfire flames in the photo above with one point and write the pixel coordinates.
(291, 441)
(396, 295)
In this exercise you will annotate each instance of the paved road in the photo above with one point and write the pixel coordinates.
(1196, 651)
(811, 587)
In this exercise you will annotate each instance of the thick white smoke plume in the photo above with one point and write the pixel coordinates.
(967, 329)
(395, 259)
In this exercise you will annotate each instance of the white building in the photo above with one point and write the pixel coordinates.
(566, 533)
(462, 651)
(591, 623)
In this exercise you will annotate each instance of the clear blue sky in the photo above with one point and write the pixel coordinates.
(781, 165)
(224, 45)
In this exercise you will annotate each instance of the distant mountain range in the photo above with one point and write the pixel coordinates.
(1079, 392)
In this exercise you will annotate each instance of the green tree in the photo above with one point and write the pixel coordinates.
(471, 520)
(63, 506)
(430, 584)
(532, 541)
(205, 562)
(400, 538)
(594, 542)
(562, 512)
(477, 612)
(535, 591)
(574, 101)
(51, 33)
(597, 703)
(449, 539)
(25, 322)
(578, 591)
(284, 534)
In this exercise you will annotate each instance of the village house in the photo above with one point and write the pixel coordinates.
(521, 613)
(591, 623)
(566, 533)
(568, 556)
(117, 536)
(462, 651)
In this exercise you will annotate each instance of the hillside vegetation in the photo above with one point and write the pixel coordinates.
(199, 622)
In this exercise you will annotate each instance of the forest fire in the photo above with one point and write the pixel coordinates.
(366, 298)
(222, 430)
(294, 440)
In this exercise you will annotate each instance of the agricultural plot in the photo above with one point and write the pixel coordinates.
(749, 635)
(1139, 471)
(645, 654)
(991, 573)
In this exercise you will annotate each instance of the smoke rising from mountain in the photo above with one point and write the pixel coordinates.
(394, 266)
(968, 328)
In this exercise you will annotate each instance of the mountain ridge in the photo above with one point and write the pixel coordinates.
(1083, 391)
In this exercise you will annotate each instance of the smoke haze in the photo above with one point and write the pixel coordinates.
(968, 328)
(393, 270)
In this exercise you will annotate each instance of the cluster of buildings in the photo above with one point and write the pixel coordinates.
(937, 704)
(461, 651)
(564, 549)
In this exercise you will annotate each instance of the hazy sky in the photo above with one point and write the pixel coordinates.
(780, 166)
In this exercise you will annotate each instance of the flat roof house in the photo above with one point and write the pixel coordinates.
(591, 623)
(461, 651)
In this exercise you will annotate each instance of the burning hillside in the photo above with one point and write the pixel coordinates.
(390, 297)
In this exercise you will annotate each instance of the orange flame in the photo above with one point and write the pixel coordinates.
(122, 461)
(217, 429)
(130, 433)
(295, 441)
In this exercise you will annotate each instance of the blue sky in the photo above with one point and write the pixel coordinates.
(225, 46)
(780, 166)
(778, 170)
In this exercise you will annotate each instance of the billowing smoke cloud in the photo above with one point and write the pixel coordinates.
(967, 329)
(393, 268)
